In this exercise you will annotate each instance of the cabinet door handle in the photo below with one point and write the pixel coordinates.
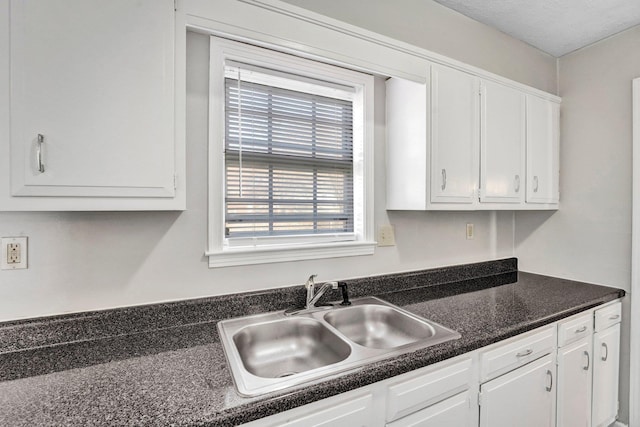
(524, 353)
(39, 163)
(586, 353)
(517, 183)
(614, 317)
(581, 330)
(444, 179)
(550, 386)
(606, 352)
(535, 184)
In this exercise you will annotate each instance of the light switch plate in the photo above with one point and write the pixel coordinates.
(386, 236)
(14, 253)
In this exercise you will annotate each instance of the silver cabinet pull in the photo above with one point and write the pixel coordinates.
(550, 386)
(581, 330)
(586, 353)
(614, 317)
(606, 352)
(535, 184)
(39, 163)
(524, 353)
(517, 183)
(444, 179)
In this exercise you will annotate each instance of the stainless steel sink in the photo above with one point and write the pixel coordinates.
(271, 351)
(288, 346)
(379, 326)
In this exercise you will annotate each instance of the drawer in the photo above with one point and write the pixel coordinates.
(574, 329)
(608, 316)
(516, 353)
(412, 394)
(453, 411)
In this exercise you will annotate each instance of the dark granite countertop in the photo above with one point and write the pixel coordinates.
(177, 375)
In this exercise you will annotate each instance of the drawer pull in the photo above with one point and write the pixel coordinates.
(586, 353)
(606, 352)
(444, 179)
(524, 353)
(550, 386)
(581, 330)
(614, 317)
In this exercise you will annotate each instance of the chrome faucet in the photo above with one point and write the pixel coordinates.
(312, 295)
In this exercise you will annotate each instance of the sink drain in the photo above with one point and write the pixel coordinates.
(286, 374)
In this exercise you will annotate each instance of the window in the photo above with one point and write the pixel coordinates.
(290, 158)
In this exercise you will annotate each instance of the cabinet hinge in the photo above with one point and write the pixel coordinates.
(175, 4)
(479, 399)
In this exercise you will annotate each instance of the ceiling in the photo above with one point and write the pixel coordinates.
(553, 26)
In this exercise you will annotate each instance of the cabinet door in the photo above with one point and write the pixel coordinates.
(543, 150)
(452, 412)
(502, 142)
(574, 384)
(455, 110)
(606, 352)
(524, 397)
(92, 98)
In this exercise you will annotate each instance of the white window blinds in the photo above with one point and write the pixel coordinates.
(288, 160)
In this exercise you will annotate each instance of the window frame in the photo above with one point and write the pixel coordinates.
(226, 52)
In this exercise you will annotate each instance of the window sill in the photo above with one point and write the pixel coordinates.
(234, 257)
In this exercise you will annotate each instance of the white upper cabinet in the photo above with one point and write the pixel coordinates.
(407, 149)
(93, 106)
(433, 141)
(454, 135)
(543, 150)
(463, 142)
(502, 162)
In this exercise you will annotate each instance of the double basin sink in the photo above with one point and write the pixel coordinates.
(270, 352)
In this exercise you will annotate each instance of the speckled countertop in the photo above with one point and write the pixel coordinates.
(176, 374)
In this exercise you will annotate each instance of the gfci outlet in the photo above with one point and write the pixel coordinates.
(470, 231)
(14, 253)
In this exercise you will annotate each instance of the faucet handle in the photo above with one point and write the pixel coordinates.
(310, 281)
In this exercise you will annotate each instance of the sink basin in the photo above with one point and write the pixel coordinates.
(379, 326)
(288, 346)
(272, 351)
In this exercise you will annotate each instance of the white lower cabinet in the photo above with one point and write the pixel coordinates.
(433, 398)
(524, 397)
(606, 351)
(352, 409)
(574, 384)
(575, 367)
(564, 374)
(451, 412)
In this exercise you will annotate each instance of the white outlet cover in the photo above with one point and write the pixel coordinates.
(22, 241)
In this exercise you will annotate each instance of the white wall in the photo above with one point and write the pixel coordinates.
(589, 238)
(83, 261)
(431, 26)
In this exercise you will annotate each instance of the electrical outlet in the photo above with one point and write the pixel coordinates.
(470, 231)
(14, 253)
(386, 236)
